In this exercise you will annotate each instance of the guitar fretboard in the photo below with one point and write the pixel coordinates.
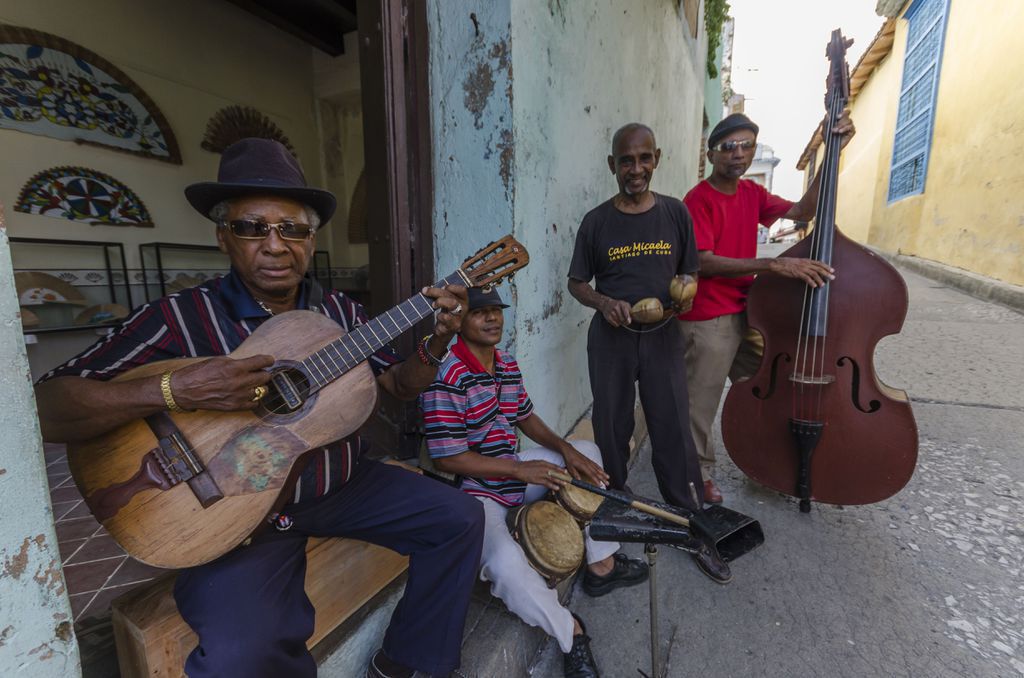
(341, 355)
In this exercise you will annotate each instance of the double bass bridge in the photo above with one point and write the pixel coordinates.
(812, 379)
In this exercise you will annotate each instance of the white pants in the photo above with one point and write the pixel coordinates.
(504, 564)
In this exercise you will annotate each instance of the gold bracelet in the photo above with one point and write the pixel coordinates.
(165, 389)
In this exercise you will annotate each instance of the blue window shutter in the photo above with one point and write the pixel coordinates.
(916, 116)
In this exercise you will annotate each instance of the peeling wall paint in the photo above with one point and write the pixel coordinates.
(582, 71)
(471, 119)
(36, 638)
(525, 96)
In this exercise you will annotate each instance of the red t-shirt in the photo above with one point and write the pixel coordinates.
(727, 225)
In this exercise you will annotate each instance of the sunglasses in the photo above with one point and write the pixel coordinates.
(250, 229)
(730, 146)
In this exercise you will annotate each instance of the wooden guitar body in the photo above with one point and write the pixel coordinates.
(249, 455)
(181, 489)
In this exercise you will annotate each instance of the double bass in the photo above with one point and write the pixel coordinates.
(815, 422)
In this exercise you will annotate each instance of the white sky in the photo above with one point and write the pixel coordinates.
(779, 64)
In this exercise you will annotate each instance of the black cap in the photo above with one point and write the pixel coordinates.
(730, 124)
(259, 167)
(478, 298)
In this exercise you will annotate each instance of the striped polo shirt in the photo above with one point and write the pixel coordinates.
(211, 320)
(466, 408)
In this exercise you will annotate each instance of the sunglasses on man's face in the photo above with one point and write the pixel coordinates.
(251, 229)
(730, 146)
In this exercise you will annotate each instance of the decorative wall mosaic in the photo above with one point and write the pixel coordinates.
(82, 194)
(53, 87)
(235, 123)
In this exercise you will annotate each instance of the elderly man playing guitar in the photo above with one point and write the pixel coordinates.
(249, 607)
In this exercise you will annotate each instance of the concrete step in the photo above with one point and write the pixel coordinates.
(495, 642)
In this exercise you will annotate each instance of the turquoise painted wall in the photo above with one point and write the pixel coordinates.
(525, 97)
(36, 636)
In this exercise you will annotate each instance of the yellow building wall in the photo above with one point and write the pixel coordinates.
(872, 112)
(192, 57)
(970, 215)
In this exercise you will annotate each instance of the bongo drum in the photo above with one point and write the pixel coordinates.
(550, 538)
(582, 505)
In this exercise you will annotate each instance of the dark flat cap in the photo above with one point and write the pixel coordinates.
(259, 167)
(478, 298)
(730, 124)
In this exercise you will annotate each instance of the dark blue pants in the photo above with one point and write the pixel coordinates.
(250, 610)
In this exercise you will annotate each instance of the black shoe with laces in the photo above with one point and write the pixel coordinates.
(579, 661)
(625, 572)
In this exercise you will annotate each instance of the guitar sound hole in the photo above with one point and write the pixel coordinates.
(289, 389)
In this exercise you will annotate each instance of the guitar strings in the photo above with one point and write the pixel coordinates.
(360, 354)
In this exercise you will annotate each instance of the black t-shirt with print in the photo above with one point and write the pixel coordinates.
(634, 256)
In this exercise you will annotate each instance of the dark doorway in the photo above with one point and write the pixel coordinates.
(396, 124)
(387, 247)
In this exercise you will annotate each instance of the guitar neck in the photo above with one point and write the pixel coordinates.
(341, 355)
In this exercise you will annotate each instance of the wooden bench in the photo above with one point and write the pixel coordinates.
(153, 640)
(342, 575)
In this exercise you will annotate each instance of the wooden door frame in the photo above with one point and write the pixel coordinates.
(394, 74)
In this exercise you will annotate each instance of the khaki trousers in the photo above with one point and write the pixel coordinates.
(715, 349)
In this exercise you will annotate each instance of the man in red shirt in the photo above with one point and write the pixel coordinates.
(726, 211)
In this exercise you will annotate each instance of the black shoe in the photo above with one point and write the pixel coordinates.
(382, 667)
(625, 572)
(707, 558)
(711, 563)
(579, 662)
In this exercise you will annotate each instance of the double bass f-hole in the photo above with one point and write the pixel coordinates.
(772, 377)
(873, 405)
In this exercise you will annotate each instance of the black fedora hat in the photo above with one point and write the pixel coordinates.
(730, 124)
(482, 297)
(259, 167)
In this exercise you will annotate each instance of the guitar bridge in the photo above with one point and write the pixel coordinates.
(177, 460)
(170, 463)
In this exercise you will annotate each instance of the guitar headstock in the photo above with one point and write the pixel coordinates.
(493, 263)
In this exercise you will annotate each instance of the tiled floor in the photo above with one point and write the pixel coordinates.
(95, 567)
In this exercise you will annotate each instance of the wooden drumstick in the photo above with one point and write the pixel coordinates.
(638, 505)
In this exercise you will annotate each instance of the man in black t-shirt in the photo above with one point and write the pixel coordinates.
(632, 245)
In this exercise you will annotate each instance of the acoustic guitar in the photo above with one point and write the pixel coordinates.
(181, 489)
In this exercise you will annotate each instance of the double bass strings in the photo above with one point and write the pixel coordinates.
(808, 405)
(825, 252)
(833, 179)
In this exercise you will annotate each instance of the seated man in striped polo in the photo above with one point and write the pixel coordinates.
(472, 411)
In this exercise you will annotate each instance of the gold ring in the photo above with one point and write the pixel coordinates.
(258, 393)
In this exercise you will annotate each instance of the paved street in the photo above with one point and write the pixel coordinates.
(927, 583)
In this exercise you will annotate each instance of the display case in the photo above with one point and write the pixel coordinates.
(321, 268)
(171, 267)
(69, 285)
